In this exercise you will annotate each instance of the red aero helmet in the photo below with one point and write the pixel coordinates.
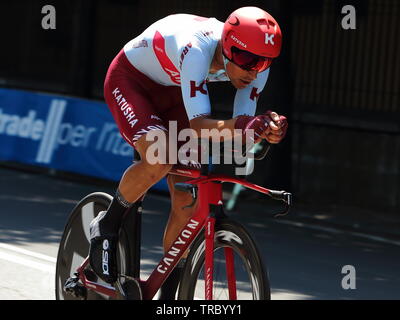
(254, 30)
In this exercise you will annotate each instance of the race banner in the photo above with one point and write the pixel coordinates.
(63, 133)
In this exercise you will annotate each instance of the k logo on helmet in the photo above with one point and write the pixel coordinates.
(269, 38)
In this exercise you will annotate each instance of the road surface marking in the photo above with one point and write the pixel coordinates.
(333, 230)
(27, 258)
(27, 262)
(27, 252)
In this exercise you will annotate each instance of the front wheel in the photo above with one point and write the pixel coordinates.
(251, 279)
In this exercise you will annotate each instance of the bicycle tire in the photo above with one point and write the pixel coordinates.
(231, 234)
(74, 244)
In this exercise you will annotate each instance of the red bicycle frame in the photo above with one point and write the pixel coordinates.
(209, 192)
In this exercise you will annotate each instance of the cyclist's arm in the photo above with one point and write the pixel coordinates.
(194, 71)
(246, 99)
(206, 123)
(245, 104)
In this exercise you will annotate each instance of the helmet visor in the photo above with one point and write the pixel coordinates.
(249, 61)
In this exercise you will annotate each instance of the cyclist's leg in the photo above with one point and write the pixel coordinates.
(136, 180)
(135, 116)
(142, 175)
(179, 216)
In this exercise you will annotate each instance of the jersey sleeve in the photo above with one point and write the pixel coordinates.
(246, 99)
(194, 71)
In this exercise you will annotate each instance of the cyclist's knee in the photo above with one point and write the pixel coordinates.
(151, 173)
(158, 171)
(154, 151)
(154, 161)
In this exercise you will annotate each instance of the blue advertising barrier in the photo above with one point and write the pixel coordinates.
(63, 133)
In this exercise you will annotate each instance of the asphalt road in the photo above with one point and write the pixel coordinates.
(304, 262)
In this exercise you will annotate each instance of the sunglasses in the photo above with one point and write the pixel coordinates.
(249, 61)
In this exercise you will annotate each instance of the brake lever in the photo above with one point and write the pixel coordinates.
(282, 196)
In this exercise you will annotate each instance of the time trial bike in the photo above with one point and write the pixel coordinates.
(223, 260)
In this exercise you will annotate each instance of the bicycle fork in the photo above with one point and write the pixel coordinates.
(212, 195)
(209, 259)
(215, 213)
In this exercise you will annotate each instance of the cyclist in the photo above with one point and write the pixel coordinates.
(161, 76)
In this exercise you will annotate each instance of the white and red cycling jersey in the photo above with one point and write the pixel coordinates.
(171, 58)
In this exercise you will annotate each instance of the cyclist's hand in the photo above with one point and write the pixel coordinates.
(277, 128)
(260, 125)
